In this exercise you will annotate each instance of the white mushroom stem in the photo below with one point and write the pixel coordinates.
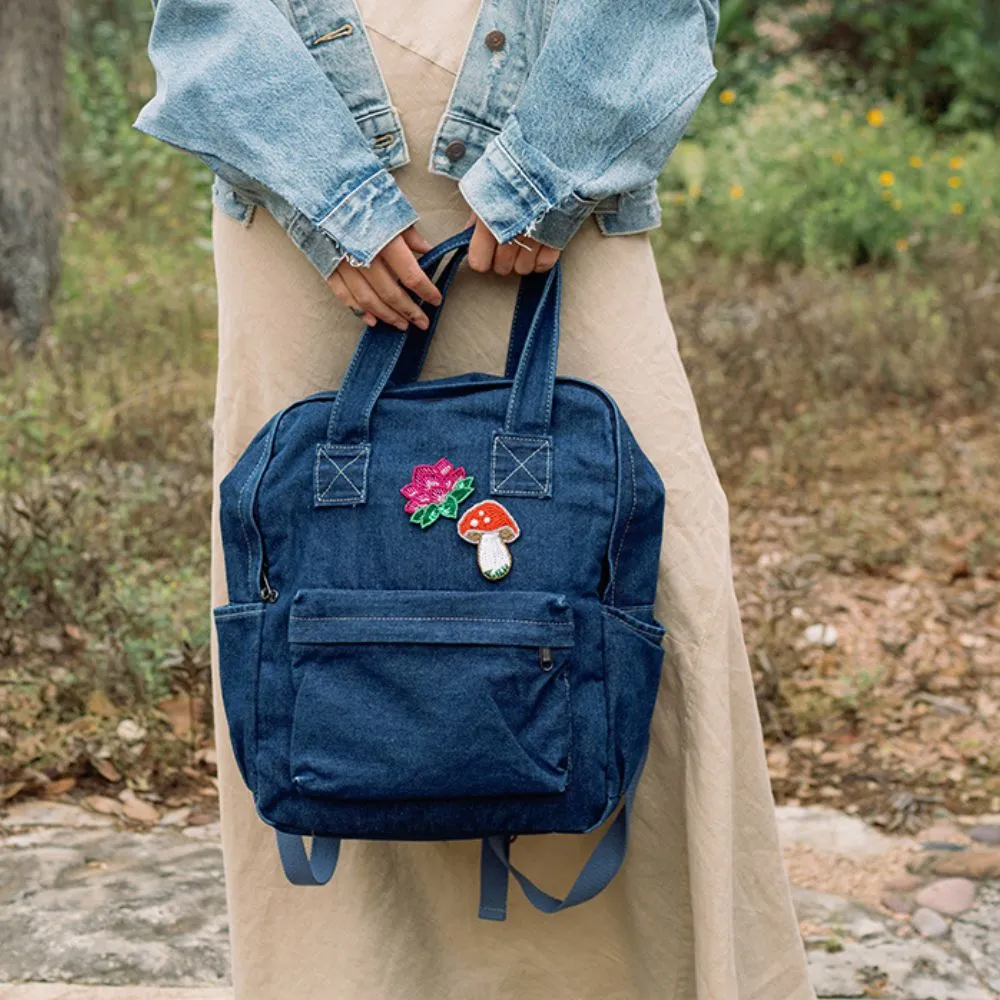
(493, 555)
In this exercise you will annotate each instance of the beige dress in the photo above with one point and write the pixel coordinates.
(701, 910)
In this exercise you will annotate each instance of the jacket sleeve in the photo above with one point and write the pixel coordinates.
(605, 103)
(237, 87)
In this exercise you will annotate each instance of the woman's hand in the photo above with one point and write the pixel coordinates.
(485, 254)
(379, 291)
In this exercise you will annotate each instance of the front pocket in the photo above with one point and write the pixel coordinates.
(430, 694)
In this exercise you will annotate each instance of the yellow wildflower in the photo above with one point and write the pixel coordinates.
(957, 208)
(902, 246)
(887, 178)
(916, 162)
(876, 117)
(955, 182)
(838, 157)
(727, 96)
(695, 190)
(736, 192)
(956, 163)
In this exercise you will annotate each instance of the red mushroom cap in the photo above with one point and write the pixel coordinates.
(488, 515)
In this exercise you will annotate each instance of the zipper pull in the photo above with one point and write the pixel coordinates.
(267, 592)
(545, 658)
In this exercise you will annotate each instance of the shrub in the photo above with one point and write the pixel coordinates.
(815, 179)
(110, 166)
(941, 57)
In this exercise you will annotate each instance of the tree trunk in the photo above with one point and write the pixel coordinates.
(32, 76)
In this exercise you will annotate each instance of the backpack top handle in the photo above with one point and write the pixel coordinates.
(534, 344)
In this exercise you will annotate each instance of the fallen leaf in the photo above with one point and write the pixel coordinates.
(59, 787)
(98, 703)
(102, 804)
(9, 791)
(201, 816)
(105, 769)
(140, 811)
(179, 714)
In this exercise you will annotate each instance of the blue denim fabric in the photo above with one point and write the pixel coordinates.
(376, 684)
(575, 114)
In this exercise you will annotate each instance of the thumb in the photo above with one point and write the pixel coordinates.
(415, 241)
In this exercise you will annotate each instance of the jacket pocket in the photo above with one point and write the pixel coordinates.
(633, 649)
(238, 630)
(430, 694)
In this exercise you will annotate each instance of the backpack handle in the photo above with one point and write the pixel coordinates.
(415, 350)
(379, 355)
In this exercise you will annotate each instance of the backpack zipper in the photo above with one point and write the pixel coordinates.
(267, 593)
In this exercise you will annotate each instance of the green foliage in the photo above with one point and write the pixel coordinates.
(109, 165)
(942, 57)
(812, 179)
(736, 23)
(743, 58)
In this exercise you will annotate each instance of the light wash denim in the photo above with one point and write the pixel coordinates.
(378, 680)
(574, 112)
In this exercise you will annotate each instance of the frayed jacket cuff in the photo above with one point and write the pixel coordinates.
(369, 218)
(514, 188)
(321, 249)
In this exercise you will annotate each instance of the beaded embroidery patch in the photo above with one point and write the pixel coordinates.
(436, 491)
(491, 528)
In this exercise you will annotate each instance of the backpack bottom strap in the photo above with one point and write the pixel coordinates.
(301, 868)
(601, 867)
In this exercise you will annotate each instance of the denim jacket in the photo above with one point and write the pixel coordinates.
(560, 109)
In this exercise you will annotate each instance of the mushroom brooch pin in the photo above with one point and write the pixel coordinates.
(490, 527)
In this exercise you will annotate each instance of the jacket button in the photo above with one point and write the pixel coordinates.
(455, 149)
(495, 40)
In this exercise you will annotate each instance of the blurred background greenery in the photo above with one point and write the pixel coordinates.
(828, 252)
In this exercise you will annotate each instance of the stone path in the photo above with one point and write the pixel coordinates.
(87, 903)
(131, 915)
(40, 991)
(931, 926)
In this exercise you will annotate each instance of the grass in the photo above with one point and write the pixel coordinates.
(853, 418)
(104, 499)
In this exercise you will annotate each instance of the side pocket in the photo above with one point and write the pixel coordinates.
(238, 630)
(633, 647)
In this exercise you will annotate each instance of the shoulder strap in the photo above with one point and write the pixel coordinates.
(601, 867)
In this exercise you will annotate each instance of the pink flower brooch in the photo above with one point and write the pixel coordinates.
(436, 491)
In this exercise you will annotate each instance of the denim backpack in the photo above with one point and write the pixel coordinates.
(441, 606)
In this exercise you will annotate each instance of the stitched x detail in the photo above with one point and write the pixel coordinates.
(526, 474)
(520, 464)
(341, 473)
